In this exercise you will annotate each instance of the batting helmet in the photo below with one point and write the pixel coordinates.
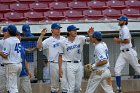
(97, 35)
(72, 28)
(12, 29)
(55, 26)
(124, 18)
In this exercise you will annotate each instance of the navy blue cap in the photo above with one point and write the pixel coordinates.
(5, 29)
(72, 28)
(124, 18)
(55, 26)
(97, 35)
(25, 28)
(12, 28)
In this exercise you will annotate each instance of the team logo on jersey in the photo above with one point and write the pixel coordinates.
(73, 47)
(4, 49)
(56, 45)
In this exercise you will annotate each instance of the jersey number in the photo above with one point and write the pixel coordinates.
(18, 47)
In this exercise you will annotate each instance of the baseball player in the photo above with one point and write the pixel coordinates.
(100, 66)
(128, 54)
(11, 52)
(25, 74)
(70, 53)
(52, 45)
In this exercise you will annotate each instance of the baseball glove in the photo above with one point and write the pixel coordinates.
(87, 71)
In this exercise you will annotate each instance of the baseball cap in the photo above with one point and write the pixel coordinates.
(124, 18)
(12, 28)
(4, 29)
(26, 28)
(97, 35)
(55, 26)
(72, 28)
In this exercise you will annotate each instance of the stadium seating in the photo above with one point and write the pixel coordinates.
(133, 13)
(112, 13)
(14, 16)
(39, 7)
(133, 3)
(78, 5)
(54, 15)
(19, 7)
(58, 6)
(2, 18)
(34, 16)
(93, 14)
(97, 5)
(59, 10)
(116, 4)
(8, 1)
(4, 8)
(73, 15)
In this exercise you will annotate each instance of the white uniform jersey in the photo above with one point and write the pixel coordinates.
(72, 50)
(52, 45)
(125, 34)
(100, 54)
(12, 47)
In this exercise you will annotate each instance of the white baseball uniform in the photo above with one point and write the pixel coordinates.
(100, 54)
(53, 45)
(11, 47)
(128, 54)
(71, 54)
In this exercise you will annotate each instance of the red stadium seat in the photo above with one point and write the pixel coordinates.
(14, 16)
(112, 13)
(93, 14)
(131, 13)
(39, 7)
(116, 4)
(19, 7)
(77, 5)
(34, 16)
(97, 5)
(27, 1)
(133, 3)
(58, 5)
(54, 15)
(4, 8)
(8, 1)
(2, 18)
(73, 15)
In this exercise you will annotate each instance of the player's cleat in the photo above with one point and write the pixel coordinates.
(119, 91)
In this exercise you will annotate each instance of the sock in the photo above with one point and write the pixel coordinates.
(118, 81)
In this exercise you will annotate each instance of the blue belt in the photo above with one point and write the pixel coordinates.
(125, 50)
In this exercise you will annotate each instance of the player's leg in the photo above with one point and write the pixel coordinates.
(105, 84)
(14, 70)
(71, 72)
(120, 63)
(54, 77)
(79, 76)
(64, 84)
(26, 85)
(133, 60)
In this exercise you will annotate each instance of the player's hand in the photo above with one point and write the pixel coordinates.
(29, 74)
(60, 72)
(90, 31)
(117, 40)
(44, 31)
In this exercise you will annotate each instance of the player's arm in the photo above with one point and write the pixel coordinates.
(60, 65)
(3, 55)
(27, 68)
(101, 63)
(39, 42)
(118, 40)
